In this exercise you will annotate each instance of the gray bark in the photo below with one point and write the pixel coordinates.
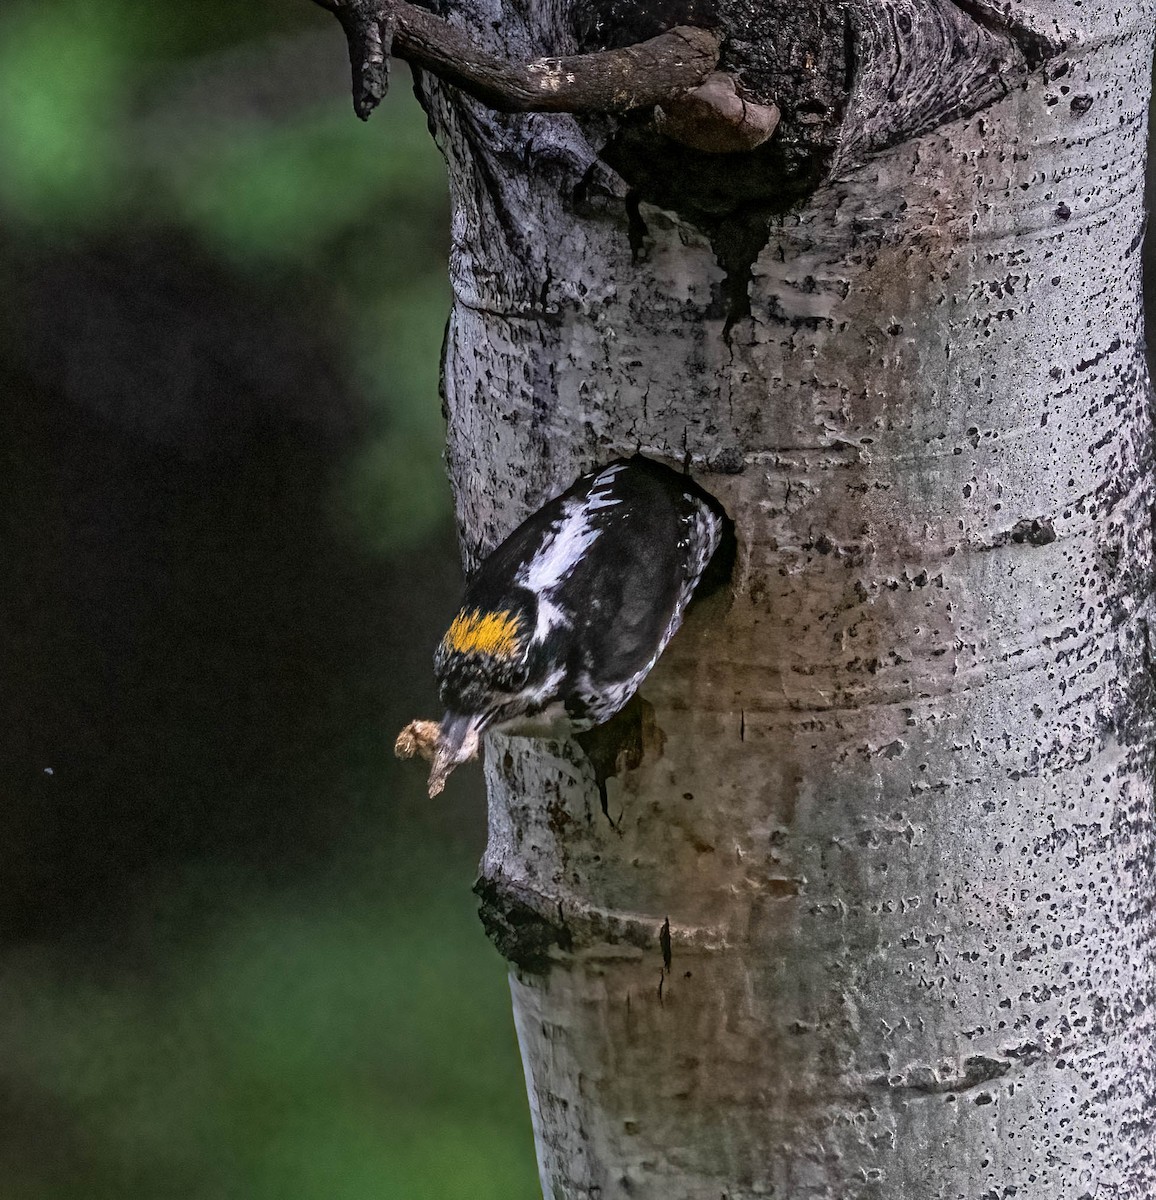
(874, 915)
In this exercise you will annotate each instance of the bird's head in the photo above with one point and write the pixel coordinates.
(482, 665)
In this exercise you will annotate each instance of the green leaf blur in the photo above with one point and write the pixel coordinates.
(312, 1045)
(105, 124)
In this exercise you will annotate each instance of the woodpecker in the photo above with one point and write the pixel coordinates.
(564, 620)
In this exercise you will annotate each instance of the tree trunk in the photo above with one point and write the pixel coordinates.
(873, 917)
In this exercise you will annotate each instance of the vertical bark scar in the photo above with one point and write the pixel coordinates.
(621, 745)
(664, 946)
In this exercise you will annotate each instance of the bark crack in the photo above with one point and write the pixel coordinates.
(531, 928)
(978, 1069)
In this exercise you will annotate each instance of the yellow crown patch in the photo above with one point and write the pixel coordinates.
(493, 633)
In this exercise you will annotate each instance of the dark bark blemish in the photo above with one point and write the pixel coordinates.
(1027, 1053)
(850, 57)
(728, 462)
(636, 230)
(604, 800)
(664, 946)
(1036, 532)
(783, 889)
(522, 933)
(613, 24)
(706, 188)
(924, 1081)
(737, 242)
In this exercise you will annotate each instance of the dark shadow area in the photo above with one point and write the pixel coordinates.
(193, 654)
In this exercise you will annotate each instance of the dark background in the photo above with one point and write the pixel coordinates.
(239, 954)
(238, 950)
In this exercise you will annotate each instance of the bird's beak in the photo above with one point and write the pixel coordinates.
(457, 742)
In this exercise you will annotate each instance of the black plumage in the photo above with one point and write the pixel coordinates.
(563, 621)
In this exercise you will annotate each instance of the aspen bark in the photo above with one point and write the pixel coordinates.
(873, 918)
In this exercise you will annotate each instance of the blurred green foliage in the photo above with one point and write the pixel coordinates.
(348, 1041)
(66, 73)
(345, 1034)
(105, 124)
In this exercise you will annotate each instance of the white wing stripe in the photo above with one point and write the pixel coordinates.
(564, 549)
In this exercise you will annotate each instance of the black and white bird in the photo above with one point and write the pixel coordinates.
(564, 620)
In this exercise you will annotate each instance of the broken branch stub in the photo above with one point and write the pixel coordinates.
(666, 70)
(638, 76)
(715, 118)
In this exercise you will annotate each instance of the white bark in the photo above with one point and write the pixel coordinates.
(901, 823)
